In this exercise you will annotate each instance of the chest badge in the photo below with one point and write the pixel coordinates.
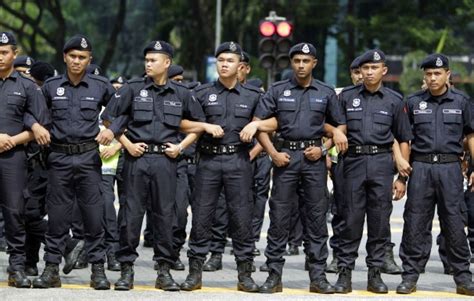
(60, 91)
(144, 93)
(212, 97)
(356, 102)
(423, 105)
(286, 93)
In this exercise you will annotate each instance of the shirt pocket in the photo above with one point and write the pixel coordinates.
(318, 110)
(452, 124)
(214, 114)
(286, 112)
(172, 114)
(143, 110)
(59, 109)
(354, 121)
(382, 123)
(90, 108)
(422, 125)
(16, 106)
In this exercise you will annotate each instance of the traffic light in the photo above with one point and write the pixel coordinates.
(275, 42)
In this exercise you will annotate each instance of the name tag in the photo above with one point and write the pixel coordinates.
(59, 97)
(354, 109)
(286, 99)
(419, 112)
(452, 111)
(173, 103)
(143, 99)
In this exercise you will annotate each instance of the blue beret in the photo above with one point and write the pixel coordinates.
(302, 48)
(245, 57)
(175, 70)
(355, 63)
(41, 71)
(435, 60)
(372, 56)
(77, 42)
(23, 61)
(94, 69)
(119, 80)
(7, 38)
(229, 47)
(159, 47)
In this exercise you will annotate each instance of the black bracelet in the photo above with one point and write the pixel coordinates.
(402, 179)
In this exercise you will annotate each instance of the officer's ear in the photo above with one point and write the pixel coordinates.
(315, 62)
(384, 69)
(90, 59)
(167, 62)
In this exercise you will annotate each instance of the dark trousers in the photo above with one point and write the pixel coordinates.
(234, 174)
(220, 226)
(337, 223)
(35, 224)
(13, 176)
(111, 235)
(150, 177)
(262, 167)
(295, 237)
(367, 191)
(433, 185)
(74, 179)
(310, 176)
(181, 205)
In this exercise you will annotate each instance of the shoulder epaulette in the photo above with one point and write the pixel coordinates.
(179, 84)
(349, 88)
(460, 92)
(279, 83)
(325, 85)
(53, 78)
(99, 77)
(398, 95)
(136, 80)
(252, 88)
(416, 94)
(203, 86)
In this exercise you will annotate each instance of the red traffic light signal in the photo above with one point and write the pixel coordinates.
(267, 28)
(284, 29)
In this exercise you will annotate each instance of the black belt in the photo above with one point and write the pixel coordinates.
(296, 145)
(355, 150)
(72, 149)
(262, 154)
(436, 158)
(212, 149)
(155, 148)
(190, 160)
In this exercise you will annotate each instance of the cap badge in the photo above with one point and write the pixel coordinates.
(232, 46)
(120, 80)
(96, 71)
(4, 39)
(439, 62)
(28, 61)
(83, 43)
(377, 56)
(305, 48)
(158, 46)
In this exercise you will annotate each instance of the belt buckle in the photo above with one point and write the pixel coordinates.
(231, 148)
(435, 158)
(215, 150)
(358, 149)
(292, 145)
(374, 149)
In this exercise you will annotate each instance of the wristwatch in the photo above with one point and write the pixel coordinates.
(324, 150)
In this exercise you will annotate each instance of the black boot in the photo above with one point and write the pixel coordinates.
(18, 279)
(321, 286)
(112, 263)
(406, 287)
(292, 251)
(332, 267)
(214, 263)
(272, 284)
(306, 263)
(72, 257)
(194, 279)
(164, 280)
(31, 270)
(125, 281)
(264, 268)
(82, 261)
(255, 252)
(178, 265)
(375, 283)
(49, 278)
(465, 288)
(389, 264)
(344, 281)
(246, 283)
(98, 279)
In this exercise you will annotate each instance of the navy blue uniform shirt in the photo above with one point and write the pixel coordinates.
(301, 112)
(151, 113)
(232, 109)
(75, 109)
(374, 118)
(440, 123)
(21, 104)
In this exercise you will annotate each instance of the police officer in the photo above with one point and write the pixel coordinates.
(74, 167)
(20, 96)
(224, 164)
(375, 116)
(441, 117)
(23, 64)
(302, 106)
(151, 109)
